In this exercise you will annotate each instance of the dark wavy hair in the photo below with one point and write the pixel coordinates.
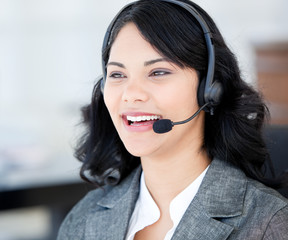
(232, 134)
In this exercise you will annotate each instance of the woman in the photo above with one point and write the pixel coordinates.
(201, 179)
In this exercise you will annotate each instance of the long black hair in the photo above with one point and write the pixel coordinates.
(233, 133)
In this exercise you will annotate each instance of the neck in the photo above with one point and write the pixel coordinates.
(166, 178)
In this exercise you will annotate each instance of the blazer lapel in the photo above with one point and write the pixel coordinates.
(196, 224)
(219, 199)
(111, 220)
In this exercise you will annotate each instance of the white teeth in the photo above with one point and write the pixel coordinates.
(142, 118)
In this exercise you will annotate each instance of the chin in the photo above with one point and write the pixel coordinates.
(135, 153)
(139, 151)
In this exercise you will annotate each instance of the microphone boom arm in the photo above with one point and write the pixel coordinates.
(190, 118)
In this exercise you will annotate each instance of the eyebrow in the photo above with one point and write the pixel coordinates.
(116, 64)
(147, 63)
(151, 62)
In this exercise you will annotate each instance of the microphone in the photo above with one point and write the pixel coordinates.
(166, 125)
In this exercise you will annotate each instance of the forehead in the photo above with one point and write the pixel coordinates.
(130, 41)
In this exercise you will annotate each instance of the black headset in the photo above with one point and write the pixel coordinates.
(210, 91)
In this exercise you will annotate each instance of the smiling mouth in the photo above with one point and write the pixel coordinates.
(140, 120)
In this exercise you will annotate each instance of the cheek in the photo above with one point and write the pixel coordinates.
(189, 93)
(184, 98)
(110, 101)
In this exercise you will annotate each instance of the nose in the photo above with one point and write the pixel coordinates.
(135, 91)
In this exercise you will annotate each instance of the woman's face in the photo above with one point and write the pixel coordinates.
(143, 86)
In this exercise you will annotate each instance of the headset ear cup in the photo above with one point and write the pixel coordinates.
(200, 93)
(216, 93)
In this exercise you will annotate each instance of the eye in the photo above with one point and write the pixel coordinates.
(159, 73)
(116, 75)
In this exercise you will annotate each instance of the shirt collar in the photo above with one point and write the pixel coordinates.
(146, 211)
(181, 202)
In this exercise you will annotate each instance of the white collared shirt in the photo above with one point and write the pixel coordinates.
(146, 211)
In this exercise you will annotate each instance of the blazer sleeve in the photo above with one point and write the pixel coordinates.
(278, 226)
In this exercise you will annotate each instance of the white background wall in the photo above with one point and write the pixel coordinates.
(50, 57)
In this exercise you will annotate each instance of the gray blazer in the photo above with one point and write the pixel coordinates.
(228, 205)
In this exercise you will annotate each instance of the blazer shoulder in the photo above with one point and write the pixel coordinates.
(265, 212)
(73, 226)
(277, 227)
(265, 195)
(76, 218)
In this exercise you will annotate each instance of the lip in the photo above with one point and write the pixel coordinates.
(138, 126)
